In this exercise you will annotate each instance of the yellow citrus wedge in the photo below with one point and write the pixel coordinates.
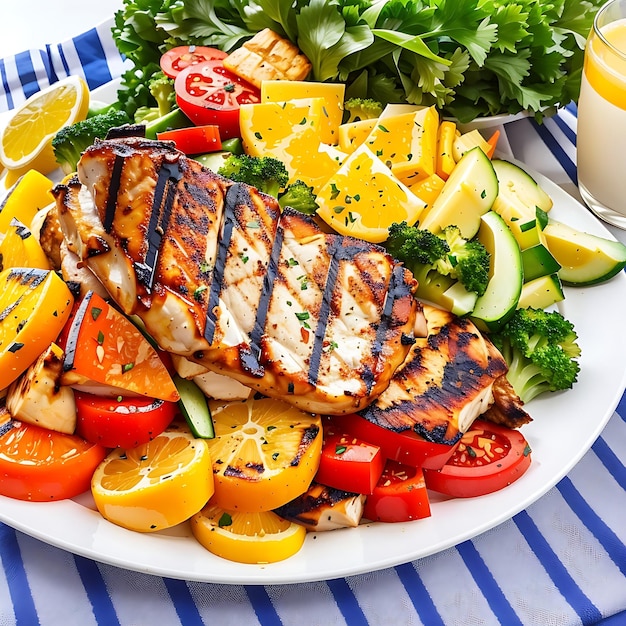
(156, 485)
(363, 198)
(26, 140)
(247, 537)
(265, 453)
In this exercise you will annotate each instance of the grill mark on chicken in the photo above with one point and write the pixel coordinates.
(168, 175)
(111, 204)
(320, 329)
(267, 298)
(230, 201)
(264, 302)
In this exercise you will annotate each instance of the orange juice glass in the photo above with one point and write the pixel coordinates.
(601, 141)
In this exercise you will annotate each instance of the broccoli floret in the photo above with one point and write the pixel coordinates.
(161, 88)
(267, 174)
(362, 109)
(540, 348)
(448, 253)
(70, 142)
(299, 196)
(466, 261)
(412, 245)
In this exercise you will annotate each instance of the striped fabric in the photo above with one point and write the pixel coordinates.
(578, 527)
(92, 55)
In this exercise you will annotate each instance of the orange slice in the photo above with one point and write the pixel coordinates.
(265, 453)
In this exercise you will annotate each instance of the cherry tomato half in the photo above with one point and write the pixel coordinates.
(177, 59)
(124, 422)
(399, 496)
(40, 465)
(489, 457)
(348, 463)
(207, 93)
(195, 139)
(405, 447)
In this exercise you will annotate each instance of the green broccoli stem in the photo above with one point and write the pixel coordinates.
(172, 120)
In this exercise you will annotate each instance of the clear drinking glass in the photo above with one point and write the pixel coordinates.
(601, 142)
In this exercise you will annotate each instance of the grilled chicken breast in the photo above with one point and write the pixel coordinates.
(444, 384)
(220, 276)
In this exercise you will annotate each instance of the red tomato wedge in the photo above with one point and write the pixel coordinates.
(38, 464)
(195, 139)
(405, 447)
(349, 463)
(121, 422)
(489, 457)
(105, 348)
(399, 496)
(207, 93)
(177, 59)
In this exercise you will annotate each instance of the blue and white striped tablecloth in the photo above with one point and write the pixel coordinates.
(578, 528)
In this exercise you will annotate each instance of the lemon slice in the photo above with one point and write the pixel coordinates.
(156, 485)
(247, 537)
(26, 141)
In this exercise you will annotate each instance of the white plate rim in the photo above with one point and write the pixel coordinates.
(564, 428)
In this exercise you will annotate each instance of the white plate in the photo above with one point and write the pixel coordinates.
(565, 426)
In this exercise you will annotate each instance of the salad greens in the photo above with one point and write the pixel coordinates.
(470, 58)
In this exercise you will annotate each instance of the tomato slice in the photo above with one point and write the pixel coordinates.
(349, 463)
(38, 464)
(399, 496)
(121, 422)
(207, 93)
(195, 139)
(177, 59)
(405, 447)
(488, 458)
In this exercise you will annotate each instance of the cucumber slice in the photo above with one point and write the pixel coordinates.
(585, 259)
(518, 188)
(498, 303)
(537, 261)
(468, 193)
(195, 408)
(213, 160)
(541, 292)
(527, 232)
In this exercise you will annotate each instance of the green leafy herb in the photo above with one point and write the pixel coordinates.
(468, 57)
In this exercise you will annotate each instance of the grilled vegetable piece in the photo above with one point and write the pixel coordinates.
(324, 508)
(105, 352)
(34, 306)
(268, 56)
(220, 276)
